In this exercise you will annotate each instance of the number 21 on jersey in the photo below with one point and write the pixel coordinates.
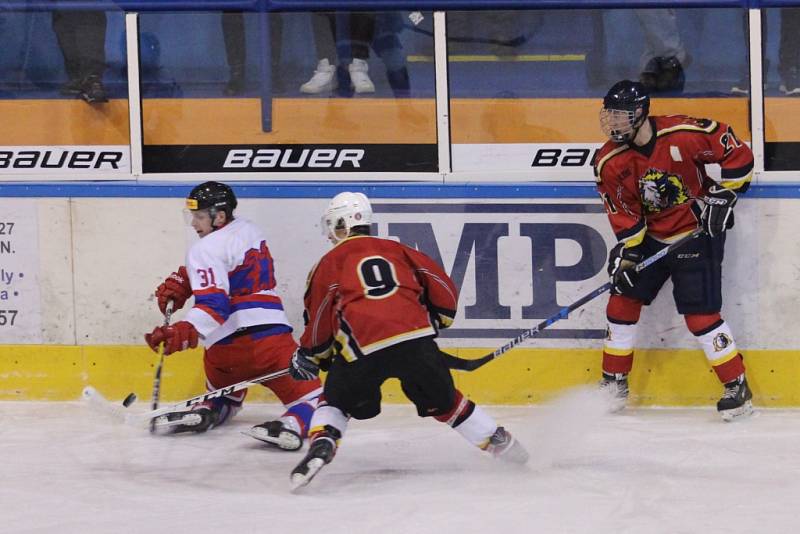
(377, 277)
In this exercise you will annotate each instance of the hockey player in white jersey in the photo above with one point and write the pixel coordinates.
(237, 316)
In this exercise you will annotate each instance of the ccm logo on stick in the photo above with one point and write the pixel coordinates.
(60, 159)
(288, 158)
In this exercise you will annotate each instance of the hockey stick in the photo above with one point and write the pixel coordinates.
(461, 364)
(97, 400)
(221, 392)
(157, 378)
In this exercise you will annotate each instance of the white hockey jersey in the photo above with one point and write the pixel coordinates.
(233, 281)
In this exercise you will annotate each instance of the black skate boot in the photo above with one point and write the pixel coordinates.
(197, 420)
(321, 452)
(504, 446)
(615, 385)
(278, 434)
(735, 402)
(200, 418)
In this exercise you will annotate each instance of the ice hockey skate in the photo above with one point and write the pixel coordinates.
(504, 446)
(278, 434)
(321, 452)
(198, 420)
(736, 400)
(614, 387)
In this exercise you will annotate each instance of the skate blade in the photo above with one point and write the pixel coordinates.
(285, 440)
(742, 412)
(300, 480)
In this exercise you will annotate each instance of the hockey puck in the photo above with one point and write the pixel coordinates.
(129, 399)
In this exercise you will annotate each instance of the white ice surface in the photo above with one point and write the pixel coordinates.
(67, 469)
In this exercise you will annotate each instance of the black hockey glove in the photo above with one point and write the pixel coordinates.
(303, 367)
(622, 268)
(717, 216)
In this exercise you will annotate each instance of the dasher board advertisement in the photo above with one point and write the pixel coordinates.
(20, 312)
(65, 160)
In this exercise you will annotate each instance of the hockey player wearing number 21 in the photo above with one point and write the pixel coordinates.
(238, 317)
(372, 309)
(651, 176)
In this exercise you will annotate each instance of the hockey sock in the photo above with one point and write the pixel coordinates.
(618, 348)
(325, 416)
(716, 338)
(298, 417)
(469, 420)
(623, 315)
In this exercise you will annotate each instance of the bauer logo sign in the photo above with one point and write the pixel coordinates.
(291, 158)
(515, 263)
(39, 160)
(575, 159)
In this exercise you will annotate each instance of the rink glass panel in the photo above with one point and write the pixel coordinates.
(538, 77)
(36, 114)
(192, 119)
(781, 66)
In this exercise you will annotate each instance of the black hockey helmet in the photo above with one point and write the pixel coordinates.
(214, 197)
(625, 108)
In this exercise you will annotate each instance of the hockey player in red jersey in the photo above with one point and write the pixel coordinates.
(651, 176)
(238, 317)
(373, 308)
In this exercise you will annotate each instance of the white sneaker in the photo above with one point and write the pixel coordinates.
(359, 77)
(324, 79)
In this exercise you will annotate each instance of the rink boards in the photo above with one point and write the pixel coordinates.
(91, 265)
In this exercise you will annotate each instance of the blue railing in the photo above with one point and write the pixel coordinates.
(375, 5)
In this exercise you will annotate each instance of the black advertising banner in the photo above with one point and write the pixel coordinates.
(290, 158)
(783, 156)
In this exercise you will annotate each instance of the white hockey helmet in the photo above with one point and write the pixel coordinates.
(345, 211)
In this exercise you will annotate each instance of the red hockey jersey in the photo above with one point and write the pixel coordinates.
(368, 293)
(653, 189)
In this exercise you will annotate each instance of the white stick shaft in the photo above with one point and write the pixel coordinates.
(188, 403)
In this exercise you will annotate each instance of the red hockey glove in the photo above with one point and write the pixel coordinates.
(179, 336)
(175, 288)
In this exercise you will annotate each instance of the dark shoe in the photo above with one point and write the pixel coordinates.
(321, 452)
(71, 88)
(235, 84)
(92, 90)
(663, 74)
(736, 400)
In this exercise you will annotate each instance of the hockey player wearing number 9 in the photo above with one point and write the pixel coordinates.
(373, 308)
(651, 176)
(238, 317)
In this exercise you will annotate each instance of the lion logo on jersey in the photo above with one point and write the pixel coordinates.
(660, 190)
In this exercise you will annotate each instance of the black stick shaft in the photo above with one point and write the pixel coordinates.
(470, 365)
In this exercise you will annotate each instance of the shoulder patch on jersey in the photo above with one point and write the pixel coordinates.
(602, 161)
